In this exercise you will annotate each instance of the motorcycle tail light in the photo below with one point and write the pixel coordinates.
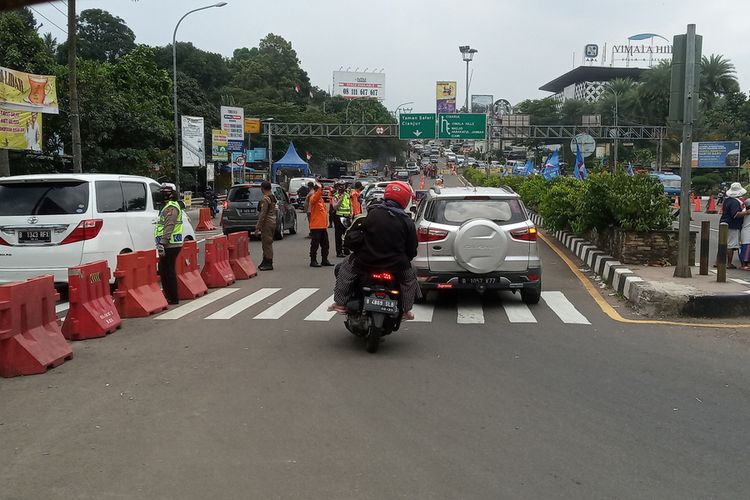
(382, 276)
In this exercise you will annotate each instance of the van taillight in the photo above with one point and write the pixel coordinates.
(3, 242)
(424, 234)
(528, 234)
(86, 230)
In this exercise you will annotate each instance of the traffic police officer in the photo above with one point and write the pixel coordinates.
(168, 236)
(343, 209)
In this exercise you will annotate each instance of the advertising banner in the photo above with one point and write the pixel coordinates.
(233, 122)
(355, 85)
(235, 146)
(252, 125)
(210, 173)
(256, 154)
(482, 103)
(445, 93)
(219, 145)
(716, 154)
(193, 150)
(20, 130)
(21, 91)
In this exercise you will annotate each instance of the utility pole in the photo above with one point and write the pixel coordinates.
(75, 123)
(4, 163)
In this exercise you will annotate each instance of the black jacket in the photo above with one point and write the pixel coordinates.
(390, 242)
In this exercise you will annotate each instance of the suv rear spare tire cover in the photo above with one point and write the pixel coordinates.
(480, 246)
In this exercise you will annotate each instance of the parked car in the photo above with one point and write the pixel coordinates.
(241, 211)
(477, 238)
(51, 222)
(294, 185)
(672, 183)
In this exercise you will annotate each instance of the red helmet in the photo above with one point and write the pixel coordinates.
(398, 191)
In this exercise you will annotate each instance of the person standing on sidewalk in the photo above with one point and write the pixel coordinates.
(266, 225)
(343, 215)
(168, 236)
(732, 214)
(318, 218)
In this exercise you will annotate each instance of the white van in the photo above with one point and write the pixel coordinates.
(51, 222)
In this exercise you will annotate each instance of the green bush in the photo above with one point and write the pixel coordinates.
(638, 203)
(706, 184)
(595, 203)
(560, 204)
(532, 190)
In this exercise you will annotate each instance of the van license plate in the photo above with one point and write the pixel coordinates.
(34, 236)
(375, 304)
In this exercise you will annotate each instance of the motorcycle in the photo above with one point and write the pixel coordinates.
(375, 311)
(212, 201)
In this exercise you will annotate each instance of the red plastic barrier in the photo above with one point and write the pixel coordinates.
(217, 272)
(138, 292)
(30, 338)
(205, 222)
(240, 261)
(190, 285)
(92, 311)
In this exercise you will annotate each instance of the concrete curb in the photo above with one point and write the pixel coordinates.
(650, 298)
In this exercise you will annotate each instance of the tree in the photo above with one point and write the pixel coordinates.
(21, 48)
(101, 37)
(717, 79)
(654, 93)
(541, 111)
(50, 44)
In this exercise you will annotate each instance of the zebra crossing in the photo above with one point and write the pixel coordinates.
(267, 304)
(469, 309)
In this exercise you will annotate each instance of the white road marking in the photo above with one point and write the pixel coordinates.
(321, 313)
(470, 311)
(518, 312)
(233, 310)
(741, 282)
(423, 312)
(286, 304)
(566, 311)
(62, 307)
(196, 304)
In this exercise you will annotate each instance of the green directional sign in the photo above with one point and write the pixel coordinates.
(416, 126)
(462, 126)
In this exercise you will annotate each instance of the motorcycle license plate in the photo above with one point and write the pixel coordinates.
(375, 304)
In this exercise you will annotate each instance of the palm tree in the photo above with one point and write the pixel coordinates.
(619, 93)
(717, 79)
(50, 44)
(653, 93)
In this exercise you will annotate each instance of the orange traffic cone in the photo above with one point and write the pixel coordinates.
(697, 206)
(676, 205)
(711, 206)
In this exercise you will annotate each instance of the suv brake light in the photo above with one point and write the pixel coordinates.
(86, 230)
(425, 235)
(528, 234)
(226, 204)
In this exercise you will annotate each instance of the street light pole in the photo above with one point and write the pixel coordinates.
(270, 145)
(617, 131)
(398, 108)
(466, 102)
(174, 91)
(468, 54)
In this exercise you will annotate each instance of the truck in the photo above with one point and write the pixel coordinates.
(337, 168)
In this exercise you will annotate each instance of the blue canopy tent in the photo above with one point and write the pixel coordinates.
(290, 161)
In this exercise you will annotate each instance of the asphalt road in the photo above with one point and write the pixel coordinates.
(474, 402)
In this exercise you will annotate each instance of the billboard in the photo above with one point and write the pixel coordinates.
(482, 103)
(233, 123)
(20, 130)
(716, 154)
(21, 91)
(356, 85)
(193, 150)
(219, 145)
(445, 95)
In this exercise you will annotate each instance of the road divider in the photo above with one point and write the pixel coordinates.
(190, 284)
(138, 292)
(31, 341)
(205, 221)
(92, 312)
(217, 271)
(240, 261)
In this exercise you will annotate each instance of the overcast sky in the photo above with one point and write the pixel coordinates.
(522, 44)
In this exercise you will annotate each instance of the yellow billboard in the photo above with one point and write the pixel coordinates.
(20, 130)
(252, 125)
(21, 91)
(445, 90)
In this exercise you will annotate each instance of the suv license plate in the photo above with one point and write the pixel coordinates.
(34, 236)
(478, 281)
(375, 304)
(247, 210)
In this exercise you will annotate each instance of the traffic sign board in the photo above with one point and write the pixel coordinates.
(416, 126)
(463, 126)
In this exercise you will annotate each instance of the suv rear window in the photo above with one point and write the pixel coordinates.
(455, 212)
(241, 194)
(44, 198)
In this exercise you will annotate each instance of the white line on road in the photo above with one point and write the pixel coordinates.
(196, 304)
(518, 312)
(470, 310)
(62, 307)
(564, 309)
(741, 282)
(423, 312)
(233, 310)
(286, 304)
(321, 313)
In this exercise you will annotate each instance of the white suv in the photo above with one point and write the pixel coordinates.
(477, 238)
(51, 222)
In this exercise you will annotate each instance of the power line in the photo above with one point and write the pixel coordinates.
(58, 10)
(48, 19)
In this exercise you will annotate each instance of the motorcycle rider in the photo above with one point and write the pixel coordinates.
(389, 245)
(212, 201)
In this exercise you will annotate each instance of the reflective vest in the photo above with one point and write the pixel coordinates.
(176, 236)
(346, 205)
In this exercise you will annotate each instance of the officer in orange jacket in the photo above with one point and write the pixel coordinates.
(318, 228)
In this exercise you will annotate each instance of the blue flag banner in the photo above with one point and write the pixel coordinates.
(551, 166)
(580, 170)
(528, 168)
(630, 169)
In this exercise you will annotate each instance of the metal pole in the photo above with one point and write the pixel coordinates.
(174, 104)
(270, 151)
(721, 255)
(705, 240)
(617, 132)
(466, 104)
(75, 117)
(682, 269)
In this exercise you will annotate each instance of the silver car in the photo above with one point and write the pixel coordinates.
(477, 238)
